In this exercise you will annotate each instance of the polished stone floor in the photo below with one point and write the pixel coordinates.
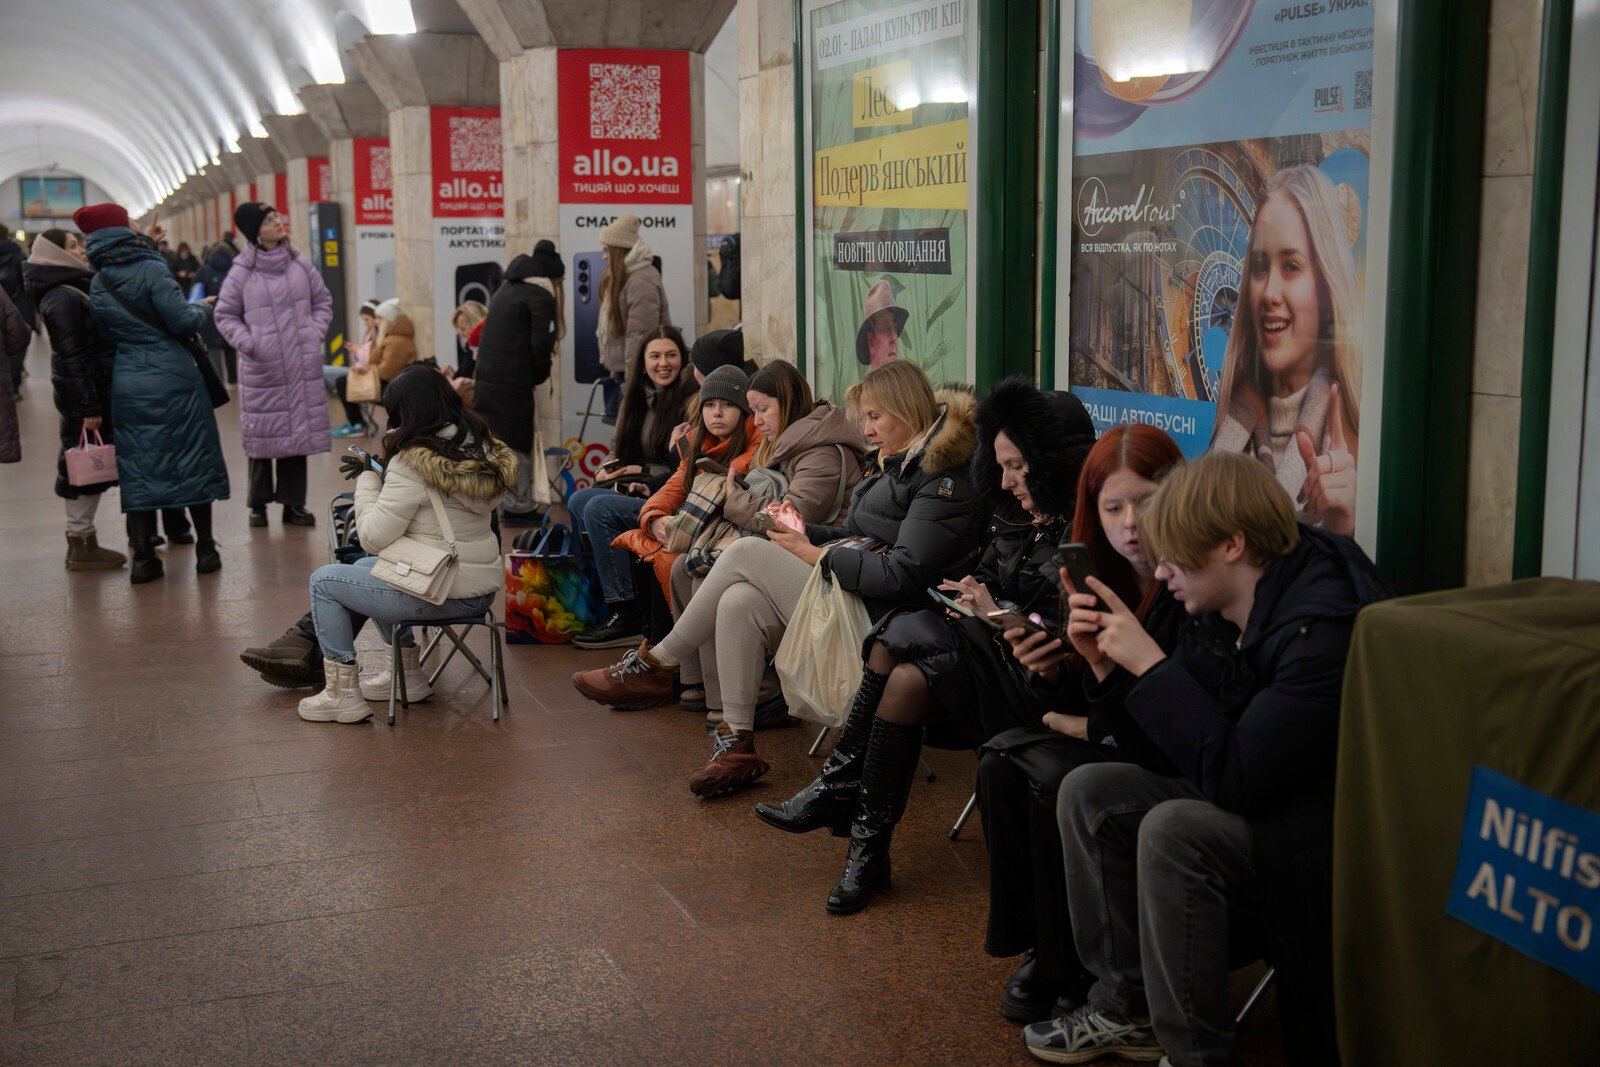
(189, 873)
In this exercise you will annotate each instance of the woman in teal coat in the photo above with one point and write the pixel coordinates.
(168, 452)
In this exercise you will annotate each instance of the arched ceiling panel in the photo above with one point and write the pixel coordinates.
(138, 94)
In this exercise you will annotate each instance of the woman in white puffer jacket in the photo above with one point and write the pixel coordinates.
(434, 443)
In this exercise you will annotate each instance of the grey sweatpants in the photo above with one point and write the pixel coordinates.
(700, 668)
(740, 612)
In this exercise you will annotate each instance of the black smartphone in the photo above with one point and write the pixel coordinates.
(586, 270)
(1010, 620)
(1079, 565)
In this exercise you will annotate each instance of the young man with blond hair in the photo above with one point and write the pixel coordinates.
(1171, 881)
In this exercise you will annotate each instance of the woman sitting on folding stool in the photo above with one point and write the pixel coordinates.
(436, 455)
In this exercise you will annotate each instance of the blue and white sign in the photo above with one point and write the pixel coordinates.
(1528, 874)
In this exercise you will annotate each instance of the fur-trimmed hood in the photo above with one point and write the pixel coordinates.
(949, 443)
(1053, 431)
(465, 478)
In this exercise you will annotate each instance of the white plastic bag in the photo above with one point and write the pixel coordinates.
(819, 659)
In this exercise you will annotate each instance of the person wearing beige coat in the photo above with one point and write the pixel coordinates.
(633, 302)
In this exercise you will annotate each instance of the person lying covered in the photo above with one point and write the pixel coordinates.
(1020, 769)
(916, 517)
(807, 462)
(946, 671)
(1172, 879)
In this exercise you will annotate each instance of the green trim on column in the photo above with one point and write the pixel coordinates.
(1539, 324)
(1052, 178)
(801, 159)
(1433, 262)
(1008, 159)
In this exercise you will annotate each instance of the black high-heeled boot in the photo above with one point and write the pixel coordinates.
(890, 768)
(141, 537)
(207, 559)
(830, 799)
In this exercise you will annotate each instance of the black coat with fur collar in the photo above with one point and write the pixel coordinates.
(1054, 433)
(920, 503)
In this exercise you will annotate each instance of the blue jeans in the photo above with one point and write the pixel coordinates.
(603, 514)
(345, 595)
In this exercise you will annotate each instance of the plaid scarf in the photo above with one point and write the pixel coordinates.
(124, 250)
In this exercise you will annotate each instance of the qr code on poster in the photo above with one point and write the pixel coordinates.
(475, 144)
(1363, 89)
(379, 167)
(625, 101)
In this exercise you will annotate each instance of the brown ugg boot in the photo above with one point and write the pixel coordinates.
(85, 554)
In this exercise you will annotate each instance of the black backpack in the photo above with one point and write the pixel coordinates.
(728, 279)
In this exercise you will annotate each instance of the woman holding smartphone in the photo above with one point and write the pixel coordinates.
(1022, 768)
(644, 453)
(436, 450)
(952, 677)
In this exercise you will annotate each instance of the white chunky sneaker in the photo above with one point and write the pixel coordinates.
(341, 701)
(1089, 1034)
(376, 686)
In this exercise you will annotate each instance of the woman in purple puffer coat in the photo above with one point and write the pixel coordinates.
(275, 310)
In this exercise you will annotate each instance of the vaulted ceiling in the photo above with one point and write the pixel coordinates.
(137, 94)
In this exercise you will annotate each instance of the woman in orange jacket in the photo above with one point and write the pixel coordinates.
(727, 435)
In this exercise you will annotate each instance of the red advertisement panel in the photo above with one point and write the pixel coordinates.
(280, 191)
(467, 159)
(625, 126)
(319, 180)
(374, 182)
(254, 199)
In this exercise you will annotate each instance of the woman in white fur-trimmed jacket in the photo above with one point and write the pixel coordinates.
(435, 445)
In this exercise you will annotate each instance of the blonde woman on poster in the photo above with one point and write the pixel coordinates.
(1291, 385)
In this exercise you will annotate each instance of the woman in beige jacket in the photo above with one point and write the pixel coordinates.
(435, 450)
(632, 303)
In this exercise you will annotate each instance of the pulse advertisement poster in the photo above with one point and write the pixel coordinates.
(1218, 231)
(469, 230)
(626, 146)
(888, 193)
(373, 236)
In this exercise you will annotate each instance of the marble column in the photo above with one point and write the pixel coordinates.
(343, 113)
(238, 171)
(265, 162)
(411, 74)
(766, 151)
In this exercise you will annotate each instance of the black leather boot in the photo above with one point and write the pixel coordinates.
(141, 537)
(830, 799)
(207, 559)
(890, 768)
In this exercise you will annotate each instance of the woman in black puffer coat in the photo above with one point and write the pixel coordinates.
(57, 275)
(953, 677)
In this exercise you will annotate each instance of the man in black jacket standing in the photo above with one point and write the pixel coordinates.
(1172, 880)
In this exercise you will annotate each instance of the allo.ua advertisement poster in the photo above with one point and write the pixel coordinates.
(319, 179)
(469, 230)
(373, 239)
(626, 146)
(1218, 231)
(889, 230)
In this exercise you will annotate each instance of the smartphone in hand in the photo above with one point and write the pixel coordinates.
(1079, 565)
(372, 461)
(1011, 620)
(953, 605)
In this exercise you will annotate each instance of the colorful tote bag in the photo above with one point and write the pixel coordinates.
(552, 589)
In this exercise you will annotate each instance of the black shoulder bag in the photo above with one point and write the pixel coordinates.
(194, 344)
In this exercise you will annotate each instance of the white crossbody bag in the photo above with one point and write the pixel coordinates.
(416, 567)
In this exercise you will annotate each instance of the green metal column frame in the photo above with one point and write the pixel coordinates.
(1008, 159)
(1049, 246)
(1433, 265)
(1008, 162)
(1539, 325)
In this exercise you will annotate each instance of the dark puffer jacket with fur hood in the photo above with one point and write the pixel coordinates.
(921, 503)
(397, 504)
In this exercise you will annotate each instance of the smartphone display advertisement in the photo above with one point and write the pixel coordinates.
(469, 231)
(626, 146)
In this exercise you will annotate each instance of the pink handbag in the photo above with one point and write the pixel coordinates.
(91, 464)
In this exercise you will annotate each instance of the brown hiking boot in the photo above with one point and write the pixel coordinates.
(732, 766)
(292, 661)
(85, 554)
(633, 683)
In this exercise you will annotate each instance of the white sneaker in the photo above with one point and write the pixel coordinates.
(341, 701)
(376, 686)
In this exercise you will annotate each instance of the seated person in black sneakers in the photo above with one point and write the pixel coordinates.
(952, 676)
(1172, 880)
(1020, 770)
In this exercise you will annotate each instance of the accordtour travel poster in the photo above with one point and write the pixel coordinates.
(887, 101)
(1218, 230)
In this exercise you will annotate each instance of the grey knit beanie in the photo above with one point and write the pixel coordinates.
(726, 383)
